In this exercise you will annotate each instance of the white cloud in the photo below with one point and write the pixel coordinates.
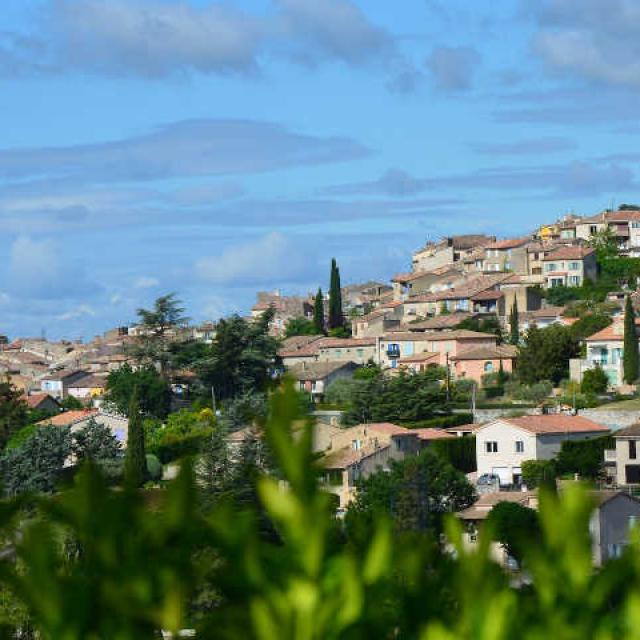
(269, 259)
(145, 282)
(82, 311)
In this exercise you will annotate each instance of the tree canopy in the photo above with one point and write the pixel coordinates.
(14, 411)
(545, 354)
(515, 526)
(154, 396)
(300, 327)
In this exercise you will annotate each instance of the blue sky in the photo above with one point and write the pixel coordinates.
(215, 149)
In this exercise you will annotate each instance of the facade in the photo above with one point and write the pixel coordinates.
(476, 362)
(507, 256)
(569, 267)
(88, 387)
(415, 283)
(57, 384)
(447, 251)
(504, 444)
(394, 347)
(627, 456)
(314, 378)
(610, 525)
(625, 226)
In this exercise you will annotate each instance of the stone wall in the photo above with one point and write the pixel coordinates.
(613, 420)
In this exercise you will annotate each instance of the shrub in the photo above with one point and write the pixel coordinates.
(440, 422)
(529, 393)
(458, 452)
(536, 473)
(594, 381)
(154, 467)
(173, 446)
(584, 457)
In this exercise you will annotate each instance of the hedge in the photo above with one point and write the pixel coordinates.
(459, 452)
(441, 422)
(584, 457)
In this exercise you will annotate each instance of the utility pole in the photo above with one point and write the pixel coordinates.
(473, 403)
(213, 399)
(447, 380)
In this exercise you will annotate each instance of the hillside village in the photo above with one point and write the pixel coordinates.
(505, 357)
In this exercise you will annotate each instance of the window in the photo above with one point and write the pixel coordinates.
(574, 281)
(632, 450)
(360, 353)
(356, 445)
(488, 367)
(635, 225)
(574, 266)
(550, 266)
(491, 446)
(519, 446)
(593, 229)
(507, 266)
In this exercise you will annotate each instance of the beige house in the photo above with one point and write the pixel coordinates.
(415, 283)
(330, 350)
(569, 266)
(612, 520)
(626, 456)
(448, 251)
(625, 225)
(507, 256)
(504, 444)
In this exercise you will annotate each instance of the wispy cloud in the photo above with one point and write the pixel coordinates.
(533, 146)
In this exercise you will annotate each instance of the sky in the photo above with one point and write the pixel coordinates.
(217, 149)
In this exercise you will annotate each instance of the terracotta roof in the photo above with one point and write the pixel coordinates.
(499, 352)
(485, 503)
(386, 428)
(474, 426)
(425, 356)
(432, 434)
(338, 343)
(487, 295)
(569, 253)
(69, 418)
(547, 312)
(628, 432)
(509, 243)
(89, 382)
(64, 374)
(37, 398)
(614, 332)
(446, 321)
(347, 456)
(317, 370)
(555, 423)
(613, 216)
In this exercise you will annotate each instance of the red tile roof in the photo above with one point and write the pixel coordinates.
(569, 253)
(557, 423)
(69, 418)
(37, 398)
(432, 434)
(509, 243)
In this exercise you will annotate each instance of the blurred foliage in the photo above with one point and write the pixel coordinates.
(97, 563)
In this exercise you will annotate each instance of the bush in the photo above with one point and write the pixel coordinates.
(584, 457)
(536, 473)
(154, 467)
(173, 446)
(529, 393)
(458, 452)
(594, 381)
(493, 392)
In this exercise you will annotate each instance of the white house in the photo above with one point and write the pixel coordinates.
(504, 444)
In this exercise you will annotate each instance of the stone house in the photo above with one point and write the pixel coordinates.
(314, 378)
(447, 251)
(569, 266)
(507, 256)
(625, 225)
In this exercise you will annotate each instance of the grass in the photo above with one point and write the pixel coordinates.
(621, 405)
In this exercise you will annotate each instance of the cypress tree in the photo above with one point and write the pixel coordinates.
(318, 312)
(630, 357)
(336, 319)
(514, 321)
(135, 462)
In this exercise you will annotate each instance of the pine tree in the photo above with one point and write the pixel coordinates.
(214, 468)
(502, 376)
(630, 358)
(135, 462)
(336, 318)
(514, 321)
(318, 312)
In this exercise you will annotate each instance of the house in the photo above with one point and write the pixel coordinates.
(507, 256)
(42, 402)
(118, 425)
(285, 308)
(57, 384)
(415, 283)
(610, 524)
(322, 349)
(569, 266)
(377, 322)
(363, 297)
(447, 251)
(315, 377)
(502, 445)
(625, 226)
(605, 349)
(88, 387)
(541, 318)
(626, 457)
(357, 452)
(473, 363)
(444, 322)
